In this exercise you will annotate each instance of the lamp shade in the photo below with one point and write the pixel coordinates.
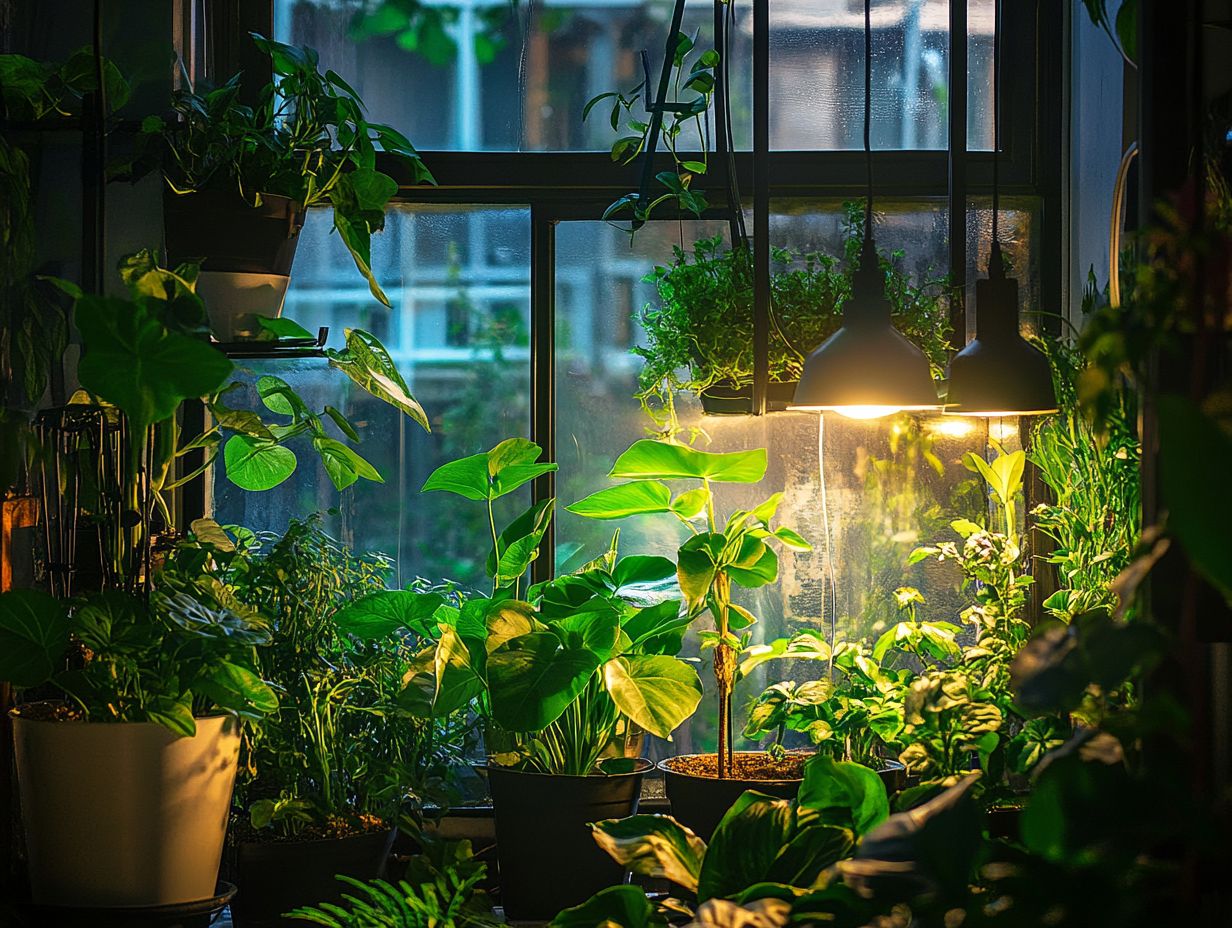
(999, 373)
(867, 368)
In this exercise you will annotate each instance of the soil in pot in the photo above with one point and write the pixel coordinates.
(547, 858)
(274, 877)
(700, 800)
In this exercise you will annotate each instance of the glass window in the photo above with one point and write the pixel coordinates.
(874, 489)
(514, 75)
(459, 283)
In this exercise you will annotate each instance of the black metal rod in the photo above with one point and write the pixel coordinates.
(656, 114)
(722, 143)
(761, 204)
(958, 169)
(543, 374)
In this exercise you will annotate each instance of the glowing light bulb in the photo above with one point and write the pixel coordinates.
(951, 427)
(866, 412)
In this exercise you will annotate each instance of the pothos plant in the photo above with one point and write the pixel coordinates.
(560, 673)
(632, 118)
(306, 137)
(716, 556)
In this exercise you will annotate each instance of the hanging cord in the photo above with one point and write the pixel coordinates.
(830, 580)
(868, 120)
(996, 264)
(99, 152)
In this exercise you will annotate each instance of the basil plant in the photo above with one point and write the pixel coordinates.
(561, 675)
(716, 556)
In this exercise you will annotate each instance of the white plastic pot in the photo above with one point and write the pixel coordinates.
(235, 300)
(124, 814)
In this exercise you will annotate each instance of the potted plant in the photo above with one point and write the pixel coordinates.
(325, 778)
(240, 178)
(766, 853)
(716, 557)
(703, 321)
(125, 781)
(560, 677)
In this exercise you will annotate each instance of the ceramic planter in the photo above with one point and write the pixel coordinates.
(726, 399)
(547, 858)
(275, 877)
(246, 254)
(701, 802)
(124, 814)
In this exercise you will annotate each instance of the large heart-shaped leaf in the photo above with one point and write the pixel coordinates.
(380, 614)
(366, 361)
(656, 846)
(664, 461)
(133, 361)
(594, 626)
(841, 793)
(745, 845)
(614, 907)
(629, 499)
(656, 691)
(254, 464)
(456, 680)
(532, 680)
(493, 474)
(34, 633)
(466, 477)
(235, 687)
(810, 851)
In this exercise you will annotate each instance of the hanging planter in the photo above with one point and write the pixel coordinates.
(727, 399)
(246, 253)
(125, 813)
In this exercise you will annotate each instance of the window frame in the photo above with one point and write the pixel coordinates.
(578, 186)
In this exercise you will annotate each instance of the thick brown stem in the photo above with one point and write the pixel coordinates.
(724, 674)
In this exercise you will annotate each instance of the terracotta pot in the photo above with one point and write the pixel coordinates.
(124, 814)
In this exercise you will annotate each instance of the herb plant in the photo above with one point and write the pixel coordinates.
(703, 321)
(306, 138)
(341, 754)
(713, 559)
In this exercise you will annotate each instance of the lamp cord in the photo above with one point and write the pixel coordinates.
(996, 265)
(868, 106)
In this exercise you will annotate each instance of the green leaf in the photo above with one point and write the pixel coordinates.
(133, 361)
(696, 566)
(653, 629)
(466, 477)
(697, 167)
(366, 361)
(278, 396)
(518, 544)
(614, 907)
(235, 687)
(841, 793)
(628, 499)
(343, 423)
(282, 327)
(34, 636)
(343, 464)
(532, 680)
(456, 680)
(593, 627)
(658, 692)
(655, 846)
(692, 503)
(809, 852)
(745, 844)
(253, 464)
(756, 564)
(380, 614)
(964, 527)
(792, 539)
(662, 461)
(173, 714)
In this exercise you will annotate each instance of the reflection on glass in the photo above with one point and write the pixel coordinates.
(515, 74)
(459, 282)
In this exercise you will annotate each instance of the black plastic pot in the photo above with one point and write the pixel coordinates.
(226, 234)
(700, 803)
(278, 876)
(724, 399)
(548, 860)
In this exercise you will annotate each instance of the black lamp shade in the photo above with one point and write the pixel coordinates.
(867, 368)
(999, 373)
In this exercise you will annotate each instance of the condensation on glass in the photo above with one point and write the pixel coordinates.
(459, 332)
(514, 75)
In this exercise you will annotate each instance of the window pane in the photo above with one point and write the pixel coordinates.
(458, 280)
(888, 484)
(1017, 231)
(515, 74)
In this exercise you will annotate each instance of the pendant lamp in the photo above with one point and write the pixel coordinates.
(867, 369)
(999, 373)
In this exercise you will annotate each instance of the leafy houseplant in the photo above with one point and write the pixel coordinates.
(764, 853)
(324, 778)
(703, 321)
(559, 677)
(241, 176)
(125, 785)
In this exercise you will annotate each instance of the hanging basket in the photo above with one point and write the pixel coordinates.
(726, 399)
